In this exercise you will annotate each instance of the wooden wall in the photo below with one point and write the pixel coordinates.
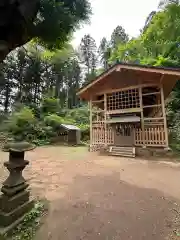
(146, 101)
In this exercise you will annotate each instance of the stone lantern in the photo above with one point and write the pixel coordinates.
(15, 198)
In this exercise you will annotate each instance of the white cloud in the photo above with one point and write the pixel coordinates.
(107, 14)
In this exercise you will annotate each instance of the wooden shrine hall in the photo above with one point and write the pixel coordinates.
(127, 107)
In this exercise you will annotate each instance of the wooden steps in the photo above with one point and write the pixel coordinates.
(122, 151)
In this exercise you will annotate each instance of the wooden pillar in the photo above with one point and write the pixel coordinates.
(142, 115)
(105, 117)
(164, 116)
(90, 110)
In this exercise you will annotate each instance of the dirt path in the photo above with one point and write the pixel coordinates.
(106, 198)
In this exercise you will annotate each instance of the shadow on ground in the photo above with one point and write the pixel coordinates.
(106, 208)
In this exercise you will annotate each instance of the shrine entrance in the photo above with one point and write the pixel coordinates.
(124, 135)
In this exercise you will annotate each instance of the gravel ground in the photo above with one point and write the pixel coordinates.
(107, 198)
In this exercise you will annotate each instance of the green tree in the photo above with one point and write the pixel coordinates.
(162, 5)
(148, 20)
(88, 54)
(104, 52)
(163, 34)
(161, 38)
(22, 21)
(165, 3)
(119, 36)
(132, 51)
(67, 72)
(8, 83)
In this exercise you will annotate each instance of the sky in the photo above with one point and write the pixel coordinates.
(108, 14)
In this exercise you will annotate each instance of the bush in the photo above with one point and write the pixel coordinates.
(79, 115)
(85, 132)
(55, 121)
(50, 106)
(25, 124)
(21, 123)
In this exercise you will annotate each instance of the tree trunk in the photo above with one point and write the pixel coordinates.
(58, 83)
(6, 102)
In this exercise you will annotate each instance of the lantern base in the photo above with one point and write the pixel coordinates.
(13, 209)
(8, 217)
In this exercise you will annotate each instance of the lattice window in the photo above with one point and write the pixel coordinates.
(123, 100)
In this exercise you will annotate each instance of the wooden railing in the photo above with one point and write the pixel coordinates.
(150, 137)
(110, 136)
(98, 136)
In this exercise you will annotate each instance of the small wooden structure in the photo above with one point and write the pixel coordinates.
(69, 134)
(127, 106)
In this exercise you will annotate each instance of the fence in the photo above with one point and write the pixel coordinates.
(150, 137)
(98, 135)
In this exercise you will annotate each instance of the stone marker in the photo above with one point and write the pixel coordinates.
(15, 198)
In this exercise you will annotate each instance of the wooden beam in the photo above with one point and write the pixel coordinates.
(152, 145)
(149, 70)
(98, 101)
(142, 114)
(160, 118)
(90, 109)
(119, 68)
(153, 93)
(97, 111)
(161, 79)
(152, 106)
(127, 88)
(105, 117)
(154, 124)
(99, 122)
(164, 116)
(103, 75)
(129, 110)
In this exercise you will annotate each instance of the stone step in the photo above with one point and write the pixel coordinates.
(116, 147)
(122, 151)
(122, 155)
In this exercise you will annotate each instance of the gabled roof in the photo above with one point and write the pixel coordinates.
(70, 127)
(134, 67)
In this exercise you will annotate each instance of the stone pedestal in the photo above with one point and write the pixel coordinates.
(14, 199)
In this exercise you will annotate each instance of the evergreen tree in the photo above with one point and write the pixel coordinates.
(118, 36)
(88, 54)
(104, 52)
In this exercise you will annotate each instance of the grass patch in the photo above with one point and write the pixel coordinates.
(27, 229)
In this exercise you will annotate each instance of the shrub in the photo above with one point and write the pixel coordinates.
(55, 121)
(50, 106)
(85, 132)
(24, 124)
(21, 123)
(80, 115)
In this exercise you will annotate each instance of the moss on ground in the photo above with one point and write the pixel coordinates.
(27, 229)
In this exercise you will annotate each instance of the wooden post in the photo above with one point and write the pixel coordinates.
(142, 116)
(90, 109)
(105, 117)
(164, 116)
